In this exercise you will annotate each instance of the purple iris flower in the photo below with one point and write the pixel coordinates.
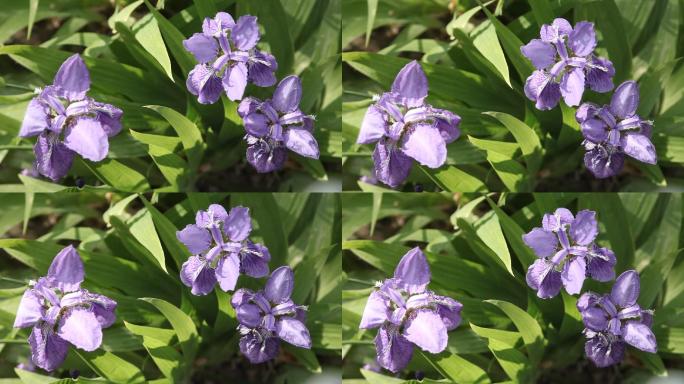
(66, 121)
(406, 128)
(408, 313)
(567, 253)
(615, 319)
(61, 312)
(615, 130)
(268, 316)
(228, 58)
(565, 64)
(221, 250)
(276, 125)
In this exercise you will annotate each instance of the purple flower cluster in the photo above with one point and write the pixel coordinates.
(615, 130)
(567, 253)
(406, 128)
(614, 320)
(63, 313)
(221, 250)
(268, 316)
(409, 314)
(67, 122)
(565, 64)
(276, 125)
(228, 58)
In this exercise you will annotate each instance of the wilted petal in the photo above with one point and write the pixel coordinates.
(197, 274)
(602, 353)
(602, 269)
(625, 291)
(301, 141)
(238, 224)
(293, 331)
(584, 228)
(373, 126)
(411, 82)
(235, 81)
(426, 330)
(392, 166)
(639, 147)
(287, 94)
(36, 119)
(254, 262)
(266, 158)
(639, 336)
(245, 34)
(573, 275)
(203, 47)
(375, 312)
(48, 350)
(540, 53)
(261, 69)
(598, 79)
(257, 350)
(227, 272)
(582, 39)
(572, 86)
(72, 79)
(625, 99)
(594, 130)
(29, 310)
(248, 314)
(542, 277)
(195, 239)
(279, 286)
(601, 164)
(425, 144)
(67, 269)
(393, 350)
(87, 138)
(543, 242)
(53, 159)
(413, 270)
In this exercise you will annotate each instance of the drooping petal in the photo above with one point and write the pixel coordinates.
(261, 69)
(639, 147)
(287, 94)
(372, 127)
(543, 242)
(235, 81)
(582, 39)
(264, 157)
(603, 353)
(540, 53)
(600, 80)
(29, 310)
(639, 336)
(254, 262)
(534, 84)
(448, 125)
(584, 228)
(48, 350)
(542, 277)
(53, 159)
(248, 314)
(227, 272)
(595, 319)
(573, 275)
(197, 274)
(302, 142)
(602, 268)
(293, 331)
(625, 291)
(258, 350)
(72, 79)
(625, 99)
(549, 96)
(602, 164)
(67, 269)
(572, 86)
(36, 119)
(87, 138)
(197, 240)
(425, 144)
(205, 84)
(103, 308)
(392, 166)
(413, 270)
(279, 286)
(376, 311)
(450, 311)
(393, 350)
(109, 118)
(427, 331)
(411, 82)
(80, 327)
(245, 34)
(238, 224)
(594, 130)
(204, 48)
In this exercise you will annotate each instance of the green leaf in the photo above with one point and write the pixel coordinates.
(454, 179)
(171, 166)
(147, 32)
(455, 368)
(167, 233)
(513, 362)
(265, 212)
(133, 244)
(541, 9)
(377, 203)
(182, 324)
(527, 326)
(306, 357)
(174, 40)
(514, 235)
(652, 361)
(118, 175)
(372, 10)
(165, 357)
(485, 40)
(205, 8)
(142, 228)
(190, 135)
(111, 366)
(526, 138)
(33, 8)
(489, 230)
(272, 14)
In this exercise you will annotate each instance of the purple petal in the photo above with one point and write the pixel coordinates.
(293, 331)
(109, 118)
(213, 216)
(572, 86)
(586, 111)
(582, 39)
(302, 142)
(197, 274)
(411, 82)
(450, 311)
(103, 308)
(625, 291)
(249, 315)
(392, 166)
(257, 124)
(48, 350)
(373, 126)
(448, 124)
(601, 164)
(594, 130)
(203, 47)
(245, 34)
(425, 144)
(393, 350)
(72, 79)
(227, 272)
(602, 353)
(584, 228)
(639, 336)
(262, 69)
(279, 286)
(53, 159)
(595, 319)
(427, 330)
(573, 275)
(543, 242)
(265, 158)
(197, 240)
(36, 119)
(29, 311)
(287, 94)
(204, 83)
(601, 269)
(587, 300)
(557, 28)
(534, 84)
(255, 262)
(540, 53)
(235, 81)
(247, 106)
(555, 222)
(221, 21)
(88, 138)
(598, 79)
(81, 328)
(375, 313)
(67, 269)
(542, 277)
(625, 99)
(639, 147)
(240, 297)
(258, 350)
(413, 270)
(238, 224)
